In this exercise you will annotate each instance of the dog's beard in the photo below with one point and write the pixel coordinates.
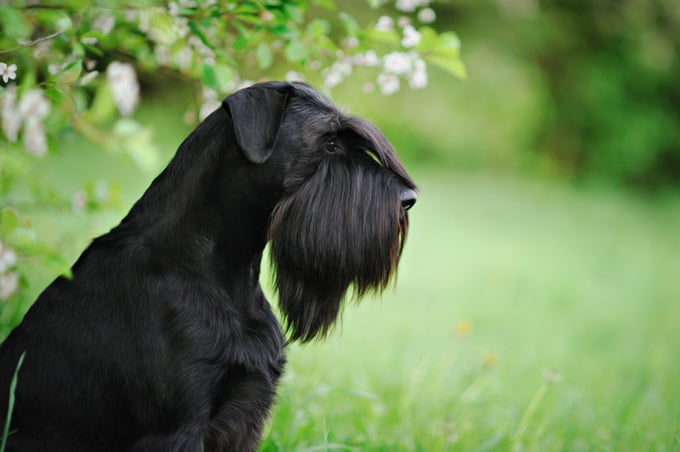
(341, 227)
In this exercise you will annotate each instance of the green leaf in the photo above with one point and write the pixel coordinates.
(442, 50)
(102, 106)
(224, 74)
(350, 24)
(13, 24)
(318, 28)
(328, 4)
(71, 72)
(57, 263)
(162, 28)
(8, 221)
(10, 402)
(240, 43)
(296, 52)
(208, 77)
(448, 62)
(196, 31)
(389, 37)
(294, 13)
(263, 55)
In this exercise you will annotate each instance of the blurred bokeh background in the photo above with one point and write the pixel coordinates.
(538, 301)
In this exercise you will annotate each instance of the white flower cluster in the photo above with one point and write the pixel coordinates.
(30, 112)
(335, 74)
(404, 64)
(409, 6)
(9, 280)
(122, 81)
(394, 65)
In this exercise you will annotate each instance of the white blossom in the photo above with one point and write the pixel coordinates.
(335, 74)
(162, 55)
(173, 9)
(11, 118)
(183, 58)
(368, 58)
(9, 283)
(90, 41)
(79, 200)
(144, 16)
(35, 140)
(209, 94)
(409, 6)
(385, 23)
(87, 78)
(8, 72)
(104, 22)
(181, 27)
(244, 84)
(332, 79)
(398, 63)
(389, 83)
(350, 42)
(411, 37)
(42, 49)
(122, 81)
(8, 258)
(101, 190)
(427, 15)
(417, 79)
(208, 107)
(201, 48)
(34, 105)
(292, 76)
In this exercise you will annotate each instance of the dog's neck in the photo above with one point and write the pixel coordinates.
(201, 218)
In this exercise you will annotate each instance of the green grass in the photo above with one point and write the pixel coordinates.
(504, 288)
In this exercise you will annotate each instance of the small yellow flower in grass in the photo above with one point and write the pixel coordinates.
(463, 328)
(490, 359)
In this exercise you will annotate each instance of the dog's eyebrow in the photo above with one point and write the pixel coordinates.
(376, 143)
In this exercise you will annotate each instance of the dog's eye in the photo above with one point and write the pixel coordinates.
(331, 146)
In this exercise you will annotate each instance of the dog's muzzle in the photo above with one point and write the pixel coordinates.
(408, 198)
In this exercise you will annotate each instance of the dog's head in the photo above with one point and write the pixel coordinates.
(342, 219)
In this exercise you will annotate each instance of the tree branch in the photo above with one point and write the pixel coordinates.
(32, 43)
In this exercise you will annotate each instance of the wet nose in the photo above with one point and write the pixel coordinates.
(408, 198)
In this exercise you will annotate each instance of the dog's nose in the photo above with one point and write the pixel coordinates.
(408, 198)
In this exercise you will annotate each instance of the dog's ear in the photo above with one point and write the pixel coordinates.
(257, 113)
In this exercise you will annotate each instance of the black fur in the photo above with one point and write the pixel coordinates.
(163, 340)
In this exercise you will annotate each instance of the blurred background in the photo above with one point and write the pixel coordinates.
(537, 304)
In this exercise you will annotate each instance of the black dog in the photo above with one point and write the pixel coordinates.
(163, 340)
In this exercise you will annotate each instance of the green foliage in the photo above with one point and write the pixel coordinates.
(606, 76)
(10, 404)
(83, 67)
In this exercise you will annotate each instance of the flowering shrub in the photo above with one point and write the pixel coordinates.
(76, 66)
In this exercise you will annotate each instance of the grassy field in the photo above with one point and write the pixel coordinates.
(527, 316)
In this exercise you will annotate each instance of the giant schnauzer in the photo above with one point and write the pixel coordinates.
(163, 340)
